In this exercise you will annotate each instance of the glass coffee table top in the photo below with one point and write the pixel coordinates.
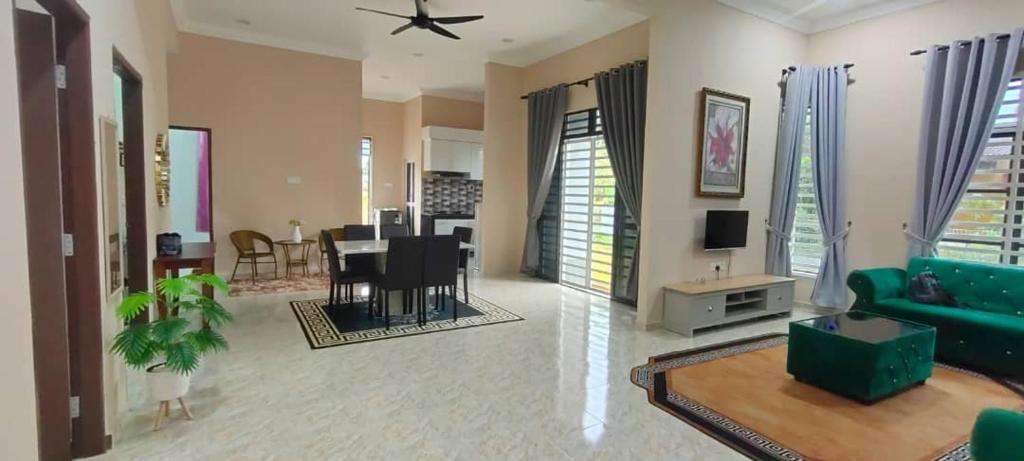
(864, 327)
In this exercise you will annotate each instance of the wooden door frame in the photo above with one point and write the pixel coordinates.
(209, 163)
(82, 323)
(44, 223)
(136, 238)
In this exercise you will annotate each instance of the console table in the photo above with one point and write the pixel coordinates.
(693, 305)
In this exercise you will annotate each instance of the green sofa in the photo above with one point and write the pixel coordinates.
(985, 333)
(998, 436)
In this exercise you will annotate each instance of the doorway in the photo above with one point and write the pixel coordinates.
(129, 112)
(587, 206)
(55, 95)
(191, 191)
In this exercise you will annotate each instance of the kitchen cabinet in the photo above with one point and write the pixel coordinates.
(453, 150)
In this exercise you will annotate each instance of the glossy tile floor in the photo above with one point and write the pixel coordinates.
(555, 386)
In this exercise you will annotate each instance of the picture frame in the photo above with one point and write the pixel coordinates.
(722, 154)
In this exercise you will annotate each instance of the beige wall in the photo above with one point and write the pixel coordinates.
(884, 112)
(384, 122)
(730, 51)
(627, 45)
(274, 114)
(503, 213)
(17, 390)
(453, 113)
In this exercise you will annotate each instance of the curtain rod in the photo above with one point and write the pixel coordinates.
(962, 43)
(585, 82)
(793, 68)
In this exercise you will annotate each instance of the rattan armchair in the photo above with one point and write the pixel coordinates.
(338, 234)
(245, 243)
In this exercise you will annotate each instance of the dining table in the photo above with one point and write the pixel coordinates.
(379, 248)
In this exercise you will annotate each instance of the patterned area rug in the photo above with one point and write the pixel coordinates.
(344, 323)
(695, 387)
(266, 285)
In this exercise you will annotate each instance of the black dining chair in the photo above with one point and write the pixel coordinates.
(465, 236)
(441, 270)
(387, 231)
(363, 264)
(340, 278)
(403, 271)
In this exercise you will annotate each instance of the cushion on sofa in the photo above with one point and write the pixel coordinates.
(985, 287)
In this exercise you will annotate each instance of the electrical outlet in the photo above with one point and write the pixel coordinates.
(720, 267)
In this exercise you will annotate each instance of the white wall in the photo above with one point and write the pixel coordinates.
(185, 185)
(18, 430)
(697, 44)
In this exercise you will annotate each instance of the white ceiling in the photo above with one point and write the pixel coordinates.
(538, 28)
(811, 16)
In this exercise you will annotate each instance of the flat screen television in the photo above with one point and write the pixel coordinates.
(725, 229)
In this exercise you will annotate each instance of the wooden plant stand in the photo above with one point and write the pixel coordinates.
(165, 410)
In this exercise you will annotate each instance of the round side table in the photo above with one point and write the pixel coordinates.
(296, 254)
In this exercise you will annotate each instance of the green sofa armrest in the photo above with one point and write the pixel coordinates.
(872, 285)
(998, 435)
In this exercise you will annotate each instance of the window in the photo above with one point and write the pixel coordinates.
(987, 225)
(366, 166)
(807, 246)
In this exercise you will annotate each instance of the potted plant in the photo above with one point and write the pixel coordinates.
(296, 229)
(170, 348)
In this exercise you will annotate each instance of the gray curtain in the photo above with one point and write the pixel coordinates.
(796, 97)
(964, 85)
(546, 116)
(622, 101)
(828, 153)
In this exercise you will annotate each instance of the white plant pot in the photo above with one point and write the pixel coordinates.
(297, 234)
(166, 385)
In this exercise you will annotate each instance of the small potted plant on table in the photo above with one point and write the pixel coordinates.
(170, 347)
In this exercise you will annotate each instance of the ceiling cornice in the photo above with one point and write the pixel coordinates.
(878, 10)
(759, 9)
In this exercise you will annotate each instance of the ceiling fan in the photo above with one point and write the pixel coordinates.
(422, 20)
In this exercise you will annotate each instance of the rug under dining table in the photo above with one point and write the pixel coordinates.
(348, 323)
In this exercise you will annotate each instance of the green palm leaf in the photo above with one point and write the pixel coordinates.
(207, 340)
(182, 357)
(168, 330)
(176, 288)
(135, 346)
(214, 312)
(134, 304)
(212, 280)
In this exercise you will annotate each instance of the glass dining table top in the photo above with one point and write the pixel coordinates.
(355, 247)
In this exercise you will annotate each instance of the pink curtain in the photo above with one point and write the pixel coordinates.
(203, 195)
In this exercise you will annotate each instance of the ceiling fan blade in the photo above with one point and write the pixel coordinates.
(382, 12)
(402, 29)
(442, 31)
(457, 19)
(421, 8)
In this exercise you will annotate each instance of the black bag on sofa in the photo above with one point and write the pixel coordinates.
(925, 289)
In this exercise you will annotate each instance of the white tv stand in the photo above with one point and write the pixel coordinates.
(693, 305)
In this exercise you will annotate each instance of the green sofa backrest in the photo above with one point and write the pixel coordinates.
(986, 287)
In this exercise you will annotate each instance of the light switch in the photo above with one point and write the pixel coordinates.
(295, 180)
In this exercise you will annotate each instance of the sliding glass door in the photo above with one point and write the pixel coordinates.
(587, 206)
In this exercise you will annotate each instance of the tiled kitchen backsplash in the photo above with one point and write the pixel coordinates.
(446, 194)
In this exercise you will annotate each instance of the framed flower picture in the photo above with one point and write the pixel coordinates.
(722, 159)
